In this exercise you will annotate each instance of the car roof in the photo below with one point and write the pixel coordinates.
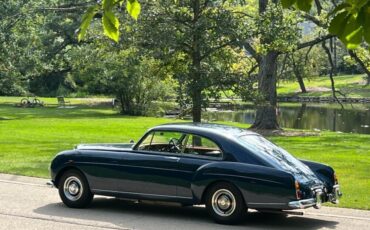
(207, 129)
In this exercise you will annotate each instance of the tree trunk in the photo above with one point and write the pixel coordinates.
(196, 89)
(333, 50)
(362, 65)
(330, 59)
(262, 6)
(125, 104)
(197, 105)
(298, 75)
(266, 117)
(301, 82)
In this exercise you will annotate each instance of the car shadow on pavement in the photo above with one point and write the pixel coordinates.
(129, 214)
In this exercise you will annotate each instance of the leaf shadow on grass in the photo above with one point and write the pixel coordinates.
(124, 214)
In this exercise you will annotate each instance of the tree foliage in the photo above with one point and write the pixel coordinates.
(127, 74)
(35, 42)
(350, 21)
(197, 39)
(110, 21)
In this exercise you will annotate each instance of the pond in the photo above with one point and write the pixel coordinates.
(311, 116)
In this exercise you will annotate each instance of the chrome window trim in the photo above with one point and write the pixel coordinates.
(136, 150)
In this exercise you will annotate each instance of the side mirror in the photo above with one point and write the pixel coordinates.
(132, 142)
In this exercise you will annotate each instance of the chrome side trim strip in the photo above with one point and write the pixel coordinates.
(140, 194)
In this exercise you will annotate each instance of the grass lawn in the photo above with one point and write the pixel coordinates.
(30, 137)
(351, 85)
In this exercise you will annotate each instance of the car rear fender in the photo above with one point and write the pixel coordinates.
(256, 183)
(324, 172)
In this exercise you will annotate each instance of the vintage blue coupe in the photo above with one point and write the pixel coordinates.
(226, 168)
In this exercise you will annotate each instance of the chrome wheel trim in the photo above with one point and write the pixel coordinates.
(223, 202)
(73, 188)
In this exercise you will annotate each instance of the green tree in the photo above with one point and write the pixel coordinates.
(36, 37)
(276, 31)
(350, 20)
(10, 77)
(264, 50)
(361, 57)
(196, 37)
(302, 64)
(127, 72)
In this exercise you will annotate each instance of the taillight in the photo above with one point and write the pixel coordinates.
(335, 178)
(298, 191)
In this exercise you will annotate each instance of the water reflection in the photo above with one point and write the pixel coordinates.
(306, 116)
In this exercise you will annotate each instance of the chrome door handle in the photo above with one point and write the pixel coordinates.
(173, 158)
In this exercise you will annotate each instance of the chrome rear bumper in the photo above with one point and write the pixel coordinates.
(307, 203)
(316, 202)
(335, 195)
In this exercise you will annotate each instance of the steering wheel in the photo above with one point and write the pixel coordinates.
(173, 145)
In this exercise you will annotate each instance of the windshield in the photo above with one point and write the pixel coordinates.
(261, 146)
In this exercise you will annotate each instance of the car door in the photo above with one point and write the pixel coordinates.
(152, 168)
(197, 152)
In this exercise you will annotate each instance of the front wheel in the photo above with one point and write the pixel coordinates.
(225, 204)
(74, 190)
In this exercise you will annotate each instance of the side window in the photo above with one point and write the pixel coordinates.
(145, 144)
(164, 137)
(163, 141)
(201, 146)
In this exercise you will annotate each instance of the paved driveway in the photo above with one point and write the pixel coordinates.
(26, 203)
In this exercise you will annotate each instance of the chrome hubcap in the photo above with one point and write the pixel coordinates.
(223, 202)
(73, 188)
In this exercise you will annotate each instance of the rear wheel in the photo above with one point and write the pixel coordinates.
(225, 204)
(74, 189)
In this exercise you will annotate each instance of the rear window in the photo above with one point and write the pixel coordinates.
(260, 145)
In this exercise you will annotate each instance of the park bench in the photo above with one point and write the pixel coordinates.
(62, 102)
